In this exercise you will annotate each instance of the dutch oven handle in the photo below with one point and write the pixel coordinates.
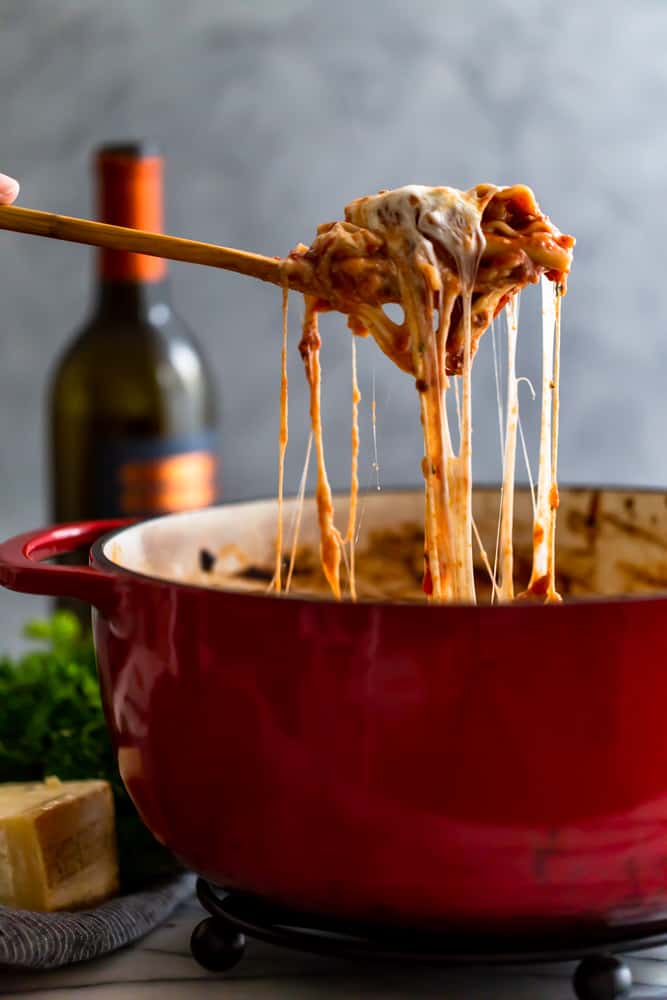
(22, 568)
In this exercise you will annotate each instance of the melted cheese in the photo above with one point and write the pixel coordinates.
(330, 541)
(298, 514)
(543, 575)
(354, 473)
(282, 443)
(452, 259)
(415, 223)
(506, 589)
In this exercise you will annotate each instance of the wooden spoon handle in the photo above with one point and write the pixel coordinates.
(99, 234)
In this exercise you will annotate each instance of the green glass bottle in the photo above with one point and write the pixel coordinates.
(132, 411)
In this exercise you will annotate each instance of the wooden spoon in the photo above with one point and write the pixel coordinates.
(100, 234)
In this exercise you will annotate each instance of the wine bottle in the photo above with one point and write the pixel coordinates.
(132, 412)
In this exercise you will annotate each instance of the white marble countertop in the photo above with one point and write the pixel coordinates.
(161, 968)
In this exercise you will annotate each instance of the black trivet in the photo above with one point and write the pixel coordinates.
(218, 943)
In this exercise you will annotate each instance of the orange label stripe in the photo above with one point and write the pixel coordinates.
(176, 482)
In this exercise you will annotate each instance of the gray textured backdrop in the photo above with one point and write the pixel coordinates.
(273, 114)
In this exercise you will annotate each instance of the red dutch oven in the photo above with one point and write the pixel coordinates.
(491, 768)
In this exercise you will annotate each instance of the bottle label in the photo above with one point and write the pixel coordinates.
(153, 476)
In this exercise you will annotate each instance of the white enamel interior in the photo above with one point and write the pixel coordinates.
(168, 547)
(609, 541)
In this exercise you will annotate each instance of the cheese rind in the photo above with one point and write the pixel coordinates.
(57, 844)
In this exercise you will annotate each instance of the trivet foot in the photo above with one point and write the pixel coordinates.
(602, 977)
(216, 945)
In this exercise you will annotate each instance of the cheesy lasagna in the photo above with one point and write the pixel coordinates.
(453, 260)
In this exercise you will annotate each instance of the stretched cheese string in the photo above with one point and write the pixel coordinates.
(506, 590)
(501, 437)
(480, 545)
(524, 449)
(376, 463)
(298, 513)
(282, 442)
(439, 552)
(354, 472)
(542, 579)
(499, 401)
(485, 560)
(458, 469)
(465, 457)
(554, 499)
(330, 541)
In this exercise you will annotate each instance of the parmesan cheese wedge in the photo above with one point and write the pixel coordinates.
(57, 844)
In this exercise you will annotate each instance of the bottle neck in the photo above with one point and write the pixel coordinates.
(129, 194)
(145, 301)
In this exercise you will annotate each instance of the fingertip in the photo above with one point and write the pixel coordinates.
(9, 189)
